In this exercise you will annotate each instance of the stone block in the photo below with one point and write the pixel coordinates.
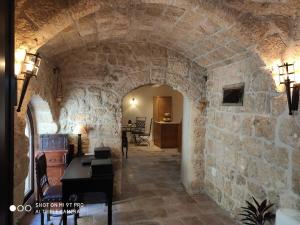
(274, 198)
(278, 104)
(247, 126)
(240, 180)
(271, 46)
(296, 158)
(289, 131)
(158, 76)
(259, 80)
(264, 127)
(296, 180)
(278, 178)
(227, 202)
(252, 146)
(178, 67)
(276, 156)
(257, 190)
(228, 187)
(262, 103)
(253, 169)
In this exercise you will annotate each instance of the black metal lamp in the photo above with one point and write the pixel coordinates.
(287, 77)
(29, 68)
(79, 130)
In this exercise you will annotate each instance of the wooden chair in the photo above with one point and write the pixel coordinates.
(48, 193)
(124, 143)
(145, 137)
(140, 126)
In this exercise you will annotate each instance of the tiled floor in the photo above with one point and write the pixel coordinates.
(152, 195)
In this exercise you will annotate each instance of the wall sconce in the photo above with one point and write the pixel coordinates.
(79, 130)
(287, 77)
(26, 64)
(133, 102)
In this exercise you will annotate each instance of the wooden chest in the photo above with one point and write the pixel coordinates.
(55, 147)
(166, 135)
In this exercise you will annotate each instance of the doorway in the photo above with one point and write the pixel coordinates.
(161, 109)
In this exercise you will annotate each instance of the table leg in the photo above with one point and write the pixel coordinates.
(65, 200)
(109, 209)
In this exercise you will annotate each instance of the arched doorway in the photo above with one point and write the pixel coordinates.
(161, 107)
(191, 134)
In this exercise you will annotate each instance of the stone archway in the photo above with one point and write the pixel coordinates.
(43, 123)
(193, 137)
(43, 116)
(94, 89)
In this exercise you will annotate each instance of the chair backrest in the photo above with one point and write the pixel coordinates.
(140, 123)
(41, 174)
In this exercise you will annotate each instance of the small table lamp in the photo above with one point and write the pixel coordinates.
(79, 130)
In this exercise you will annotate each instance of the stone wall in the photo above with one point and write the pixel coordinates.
(43, 87)
(251, 150)
(95, 81)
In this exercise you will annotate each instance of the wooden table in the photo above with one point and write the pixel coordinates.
(77, 180)
(128, 127)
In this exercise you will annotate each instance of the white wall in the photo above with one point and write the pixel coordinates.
(144, 106)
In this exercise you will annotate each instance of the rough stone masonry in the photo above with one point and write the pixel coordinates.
(106, 48)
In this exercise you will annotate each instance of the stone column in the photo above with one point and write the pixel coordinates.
(193, 139)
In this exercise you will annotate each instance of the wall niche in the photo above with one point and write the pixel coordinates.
(233, 94)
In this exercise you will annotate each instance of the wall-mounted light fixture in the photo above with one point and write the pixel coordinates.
(287, 77)
(133, 102)
(26, 66)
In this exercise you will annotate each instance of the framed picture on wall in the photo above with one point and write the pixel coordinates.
(233, 94)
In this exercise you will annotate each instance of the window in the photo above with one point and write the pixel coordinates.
(29, 132)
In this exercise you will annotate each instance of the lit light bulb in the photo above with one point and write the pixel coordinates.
(79, 129)
(20, 55)
(18, 68)
(133, 102)
(29, 66)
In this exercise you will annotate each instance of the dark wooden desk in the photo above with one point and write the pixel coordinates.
(77, 180)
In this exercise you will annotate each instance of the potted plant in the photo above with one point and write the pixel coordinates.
(257, 214)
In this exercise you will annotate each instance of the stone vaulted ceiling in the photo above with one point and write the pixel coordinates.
(210, 32)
